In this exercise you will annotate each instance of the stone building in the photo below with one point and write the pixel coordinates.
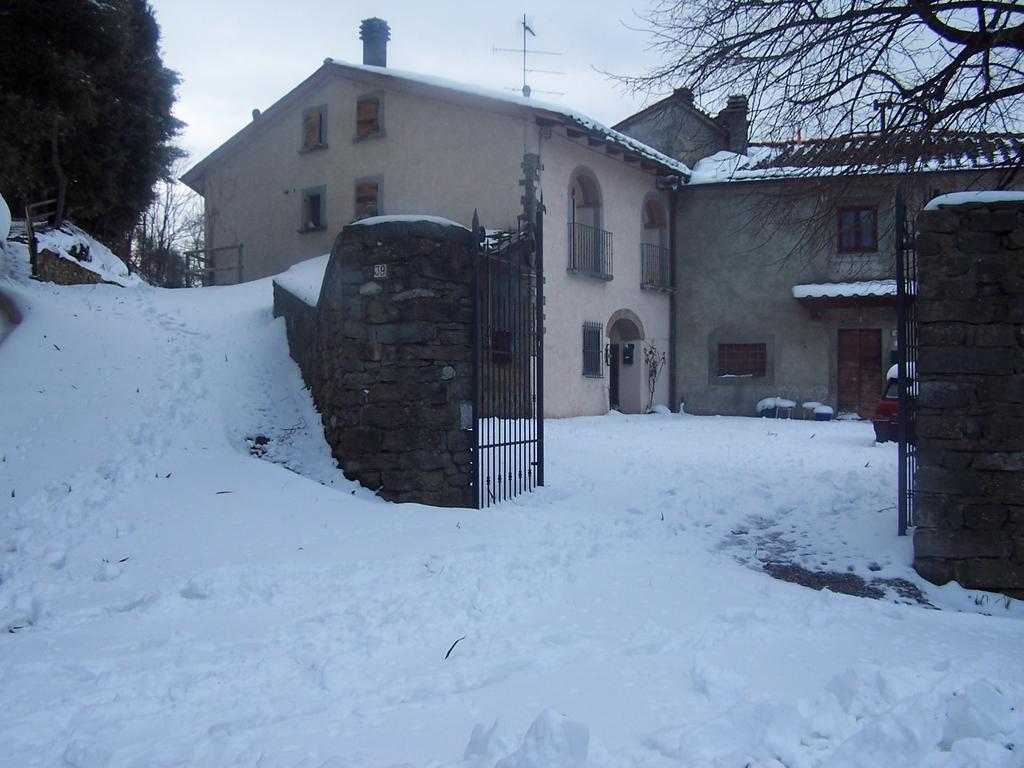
(785, 272)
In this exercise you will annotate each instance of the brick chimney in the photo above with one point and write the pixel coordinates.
(683, 95)
(375, 34)
(734, 119)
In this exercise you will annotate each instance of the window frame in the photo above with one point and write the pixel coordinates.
(304, 220)
(376, 181)
(596, 368)
(377, 96)
(858, 232)
(303, 147)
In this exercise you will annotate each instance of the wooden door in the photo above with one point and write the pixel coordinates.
(860, 370)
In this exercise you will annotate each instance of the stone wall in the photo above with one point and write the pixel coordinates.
(52, 268)
(970, 424)
(300, 324)
(390, 363)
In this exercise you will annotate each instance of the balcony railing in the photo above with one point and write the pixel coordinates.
(654, 267)
(590, 251)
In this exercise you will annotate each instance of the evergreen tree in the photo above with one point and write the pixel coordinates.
(86, 109)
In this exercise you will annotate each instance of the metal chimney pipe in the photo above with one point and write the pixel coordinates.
(375, 34)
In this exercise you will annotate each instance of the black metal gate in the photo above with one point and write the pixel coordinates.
(906, 340)
(508, 351)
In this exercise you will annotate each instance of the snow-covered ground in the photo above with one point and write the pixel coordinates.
(170, 599)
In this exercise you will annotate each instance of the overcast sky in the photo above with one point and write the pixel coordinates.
(236, 56)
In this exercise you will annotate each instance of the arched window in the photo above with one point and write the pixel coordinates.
(590, 246)
(654, 253)
(655, 230)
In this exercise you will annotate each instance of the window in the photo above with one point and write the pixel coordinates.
(590, 247)
(367, 199)
(368, 117)
(857, 228)
(746, 361)
(314, 128)
(592, 335)
(313, 210)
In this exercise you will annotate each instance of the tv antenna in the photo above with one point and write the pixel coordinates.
(528, 30)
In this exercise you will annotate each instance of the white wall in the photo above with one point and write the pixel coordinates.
(445, 159)
(574, 299)
(434, 157)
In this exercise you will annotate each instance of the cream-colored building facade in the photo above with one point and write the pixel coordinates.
(358, 140)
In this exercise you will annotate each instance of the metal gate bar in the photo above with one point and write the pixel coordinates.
(907, 341)
(508, 360)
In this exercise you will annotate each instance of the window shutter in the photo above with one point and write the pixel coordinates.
(366, 199)
(367, 117)
(312, 135)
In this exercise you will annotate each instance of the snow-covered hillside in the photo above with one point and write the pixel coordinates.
(172, 599)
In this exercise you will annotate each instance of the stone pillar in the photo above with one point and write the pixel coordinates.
(394, 359)
(970, 423)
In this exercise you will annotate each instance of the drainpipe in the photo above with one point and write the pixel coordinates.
(673, 395)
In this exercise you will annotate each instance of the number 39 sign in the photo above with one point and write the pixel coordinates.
(380, 270)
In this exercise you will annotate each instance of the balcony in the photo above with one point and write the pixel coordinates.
(590, 251)
(654, 268)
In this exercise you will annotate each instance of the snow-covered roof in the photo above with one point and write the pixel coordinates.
(535, 105)
(980, 196)
(863, 154)
(845, 290)
(552, 114)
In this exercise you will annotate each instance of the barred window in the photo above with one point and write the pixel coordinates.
(742, 360)
(857, 228)
(592, 335)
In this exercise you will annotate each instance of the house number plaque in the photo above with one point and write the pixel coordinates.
(380, 270)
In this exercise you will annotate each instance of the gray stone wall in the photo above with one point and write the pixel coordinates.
(300, 325)
(52, 268)
(390, 358)
(970, 426)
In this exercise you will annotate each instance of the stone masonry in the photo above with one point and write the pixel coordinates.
(389, 358)
(52, 268)
(970, 423)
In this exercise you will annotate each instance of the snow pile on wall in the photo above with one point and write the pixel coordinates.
(837, 290)
(976, 196)
(408, 217)
(72, 244)
(303, 280)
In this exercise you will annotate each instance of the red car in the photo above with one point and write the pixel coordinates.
(887, 413)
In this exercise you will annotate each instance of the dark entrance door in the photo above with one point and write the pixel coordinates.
(860, 370)
(613, 376)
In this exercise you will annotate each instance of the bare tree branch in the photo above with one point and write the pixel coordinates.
(822, 65)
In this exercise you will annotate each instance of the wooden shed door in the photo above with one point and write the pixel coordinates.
(860, 370)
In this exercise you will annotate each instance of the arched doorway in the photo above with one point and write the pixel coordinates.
(625, 361)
